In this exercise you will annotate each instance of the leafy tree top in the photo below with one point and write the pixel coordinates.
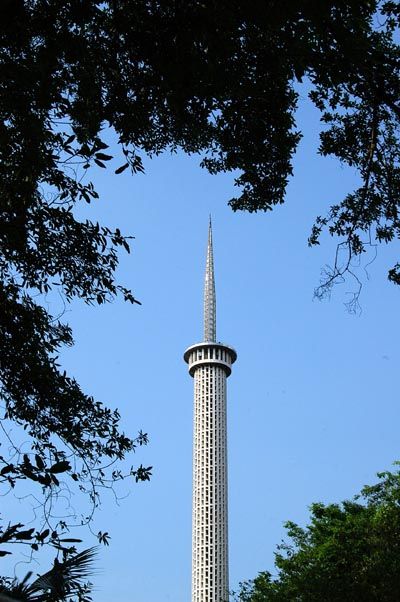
(217, 78)
(348, 552)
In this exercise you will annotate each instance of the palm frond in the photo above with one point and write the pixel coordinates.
(64, 580)
(65, 577)
(16, 591)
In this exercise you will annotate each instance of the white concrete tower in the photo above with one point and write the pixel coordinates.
(210, 364)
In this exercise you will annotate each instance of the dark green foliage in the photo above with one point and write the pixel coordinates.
(217, 78)
(349, 552)
(214, 77)
(69, 439)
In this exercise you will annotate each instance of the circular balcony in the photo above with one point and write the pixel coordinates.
(210, 354)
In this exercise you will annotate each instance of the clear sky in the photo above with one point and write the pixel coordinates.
(312, 400)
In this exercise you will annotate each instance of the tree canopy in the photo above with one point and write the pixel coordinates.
(212, 77)
(349, 552)
(216, 78)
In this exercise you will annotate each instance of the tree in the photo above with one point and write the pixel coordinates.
(212, 77)
(69, 439)
(349, 552)
(62, 583)
(216, 78)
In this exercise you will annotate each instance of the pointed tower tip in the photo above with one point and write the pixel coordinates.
(209, 292)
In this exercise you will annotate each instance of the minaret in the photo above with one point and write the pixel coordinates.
(210, 364)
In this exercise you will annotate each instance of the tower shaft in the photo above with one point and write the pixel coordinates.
(210, 504)
(210, 365)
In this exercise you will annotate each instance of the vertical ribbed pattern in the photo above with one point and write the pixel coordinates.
(210, 505)
(209, 293)
(210, 364)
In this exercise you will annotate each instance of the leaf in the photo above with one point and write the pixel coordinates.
(44, 534)
(104, 538)
(103, 156)
(137, 165)
(62, 466)
(122, 168)
(39, 462)
(55, 480)
(99, 163)
(4, 553)
(44, 480)
(6, 469)
(85, 150)
(24, 534)
(70, 140)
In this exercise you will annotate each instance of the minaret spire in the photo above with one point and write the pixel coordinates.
(209, 292)
(210, 364)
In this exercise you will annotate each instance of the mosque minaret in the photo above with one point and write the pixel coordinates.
(210, 364)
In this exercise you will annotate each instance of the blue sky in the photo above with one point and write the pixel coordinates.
(312, 400)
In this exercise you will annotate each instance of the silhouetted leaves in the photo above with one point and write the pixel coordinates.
(24, 534)
(103, 538)
(122, 168)
(215, 78)
(142, 473)
(6, 469)
(66, 581)
(62, 466)
(39, 462)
